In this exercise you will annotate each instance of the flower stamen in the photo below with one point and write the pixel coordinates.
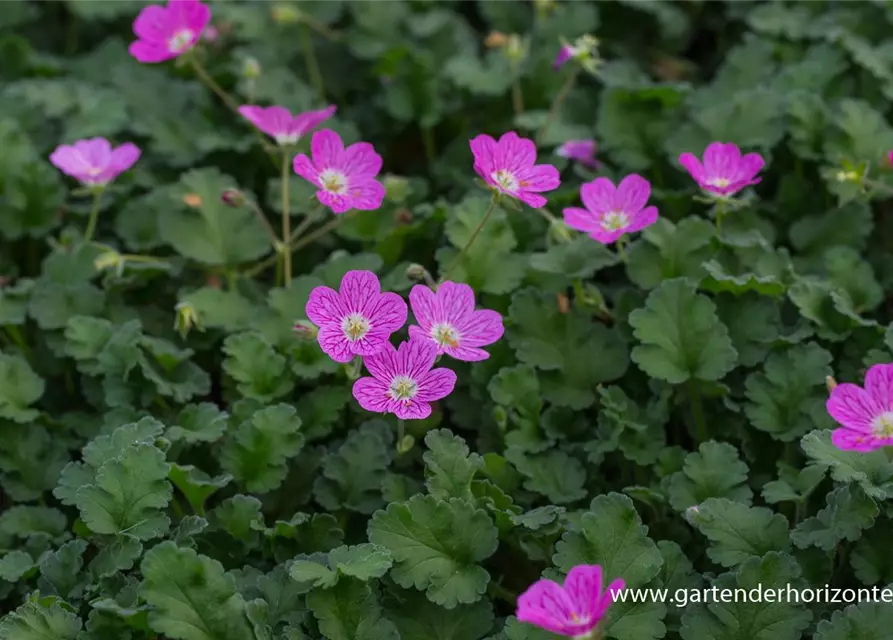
(403, 389)
(355, 326)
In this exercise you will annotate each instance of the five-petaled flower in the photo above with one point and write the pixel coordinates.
(93, 162)
(507, 165)
(583, 151)
(357, 319)
(865, 414)
(572, 610)
(345, 177)
(724, 170)
(168, 32)
(403, 381)
(448, 320)
(612, 212)
(285, 128)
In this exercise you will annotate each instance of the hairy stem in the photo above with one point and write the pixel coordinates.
(286, 218)
(94, 216)
(470, 242)
(558, 101)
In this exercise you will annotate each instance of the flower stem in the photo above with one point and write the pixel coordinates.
(305, 223)
(558, 101)
(517, 98)
(470, 242)
(94, 216)
(697, 410)
(274, 239)
(331, 225)
(621, 248)
(312, 63)
(286, 218)
(720, 214)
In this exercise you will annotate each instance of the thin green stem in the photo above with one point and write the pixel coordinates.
(16, 336)
(697, 410)
(558, 101)
(312, 63)
(621, 248)
(721, 210)
(94, 216)
(401, 430)
(305, 224)
(286, 218)
(300, 242)
(470, 242)
(259, 214)
(498, 591)
(517, 98)
(330, 226)
(320, 28)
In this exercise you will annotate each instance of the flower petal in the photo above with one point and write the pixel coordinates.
(632, 194)
(324, 307)
(152, 24)
(382, 365)
(879, 385)
(641, 219)
(532, 200)
(334, 343)
(546, 605)
(580, 219)
(70, 161)
(372, 394)
(337, 203)
(852, 407)
(515, 153)
(455, 302)
(359, 291)
(303, 123)
(436, 384)
(693, 166)
(359, 160)
(721, 160)
(149, 53)
(304, 167)
(424, 305)
(412, 410)
(598, 195)
(583, 586)
(749, 166)
(538, 178)
(415, 358)
(326, 148)
(484, 149)
(366, 195)
(481, 328)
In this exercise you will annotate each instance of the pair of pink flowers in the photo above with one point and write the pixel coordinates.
(358, 320)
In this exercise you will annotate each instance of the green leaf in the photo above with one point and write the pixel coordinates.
(364, 562)
(128, 494)
(793, 484)
(418, 618)
(437, 546)
(553, 474)
(787, 398)
(196, 485)
(670, 250)
(253, 363)
(718, 281)
(681, 336)
(714, 471)
(41, 619)
(762, 619)
(863, 621)
(738, 532)
(622, 425)
(257, 451)
(16, 565)
(53, 303)
(31, 461)
(60, 571)
(449, 468)
(203, 422)
(518, 390)
(350, 611)
(14, 302)
(579, 258)
(872, 470)
(848, 512)
(754, 323)
(869, 559)
(574, 353)
(20, 387)
(213, 233)
(191, 595)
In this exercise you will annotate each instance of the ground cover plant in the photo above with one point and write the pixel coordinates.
(444, 320)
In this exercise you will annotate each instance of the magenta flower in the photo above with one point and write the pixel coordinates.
(447, 320)
(866, 415)
(573, 610)
(724, 171)
(583, 151)
(281, 125)
(611, 212)
(345, 177)
(93, 162)
(564, 54)
(167, 32)
(890, 157)
(357, 319)
(403, 381)
(508, 167)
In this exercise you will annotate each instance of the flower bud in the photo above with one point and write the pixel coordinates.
(186, 318)
(405, 444)
(416, 272)
(396, 187)
(691, 514)
(560, 232)
(110, 259)
(210, 34)
(192, 200)
(233, 198)
(830, 383)
(251, 68)
(514, 48)
(305, 330)
(496, 40)
(284, 13)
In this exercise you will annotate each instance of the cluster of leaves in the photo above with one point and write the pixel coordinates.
(222, 486)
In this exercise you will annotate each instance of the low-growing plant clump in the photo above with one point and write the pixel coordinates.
(409, 320)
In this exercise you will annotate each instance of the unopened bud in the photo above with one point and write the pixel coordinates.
(233, 198)
(560, 231)
(847, 176)
(405, 444)
(109, 259)
(251, 68)
(192, 200)
(496, 40)
(514, 48)
(186, 319)
(831, 383)
(396, 187)
(564, 303)
(416, 272)
(283, 13)
(354, 368)
(691, 514)
(403, 216)
(210, 34)
(501, 417)
(305, 330)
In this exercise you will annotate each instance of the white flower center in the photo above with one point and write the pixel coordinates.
(355, 326)
(505, 180)
(615, 221)
(333, 181)
(94, 171)
(180, 40)
(403, 388)
(719, 182)
(287, 139)
(445, 335)
(883, 425)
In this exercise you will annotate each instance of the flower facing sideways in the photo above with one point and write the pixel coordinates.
(724, 170)
(93, 162)
(612, 212)
(167, 32)
(447, 319)
(583, 151)
(403, 382)
(285, 128)
(865, 414)
(507, 165)
(573, 610)
(345, 176)
(357, 319)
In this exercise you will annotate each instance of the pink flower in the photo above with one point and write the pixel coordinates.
(281, 125)
(508, 166)
(573, 610)
(210, 34)
(345, 177)
(93, 161)
(890, 157)
(167, 32)
(357, 319)
(403, 381)
(447, 320)
(866, 415)
(611, 212)
(725, 171)
(583, 151)
(564, 54)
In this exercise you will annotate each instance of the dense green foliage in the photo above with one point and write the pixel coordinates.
(177, 463)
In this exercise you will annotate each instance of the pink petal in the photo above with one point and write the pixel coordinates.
(149, 53)
(388, 312)
(366, 195)
(455, 302)
(583, 586)
(641, 219)
(412, 410)
(580, 219)
(304, 167)
(305, 122)
(546, 605)
(425, 307)
(541, 177)
(851, 440)
(721, 160)
(749, 166)
(359, 292)
(371, 344)
(484, 149)
(190, 14)
(274, 121)
(607, 598)
(152, 24)
(879, 385)
(436, 384)
(415, 358)
(466, 354)
(515, 153)
(852, 407)
(532, 200)
(418, 333)
(564, 54)
(326, 148)
(337, 203)
(372, 394)
(359, 160)
(632, 194)
(68, 160)
(483, 327)
(600, 234)
(124, 157)
(324, 307)
(693, 166)
(96, 151)
(598, 195)
(382, 365)
(334, 343)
